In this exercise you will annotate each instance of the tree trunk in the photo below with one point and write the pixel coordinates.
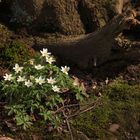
(95, 48)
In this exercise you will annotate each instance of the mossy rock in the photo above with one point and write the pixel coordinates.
(5, 34)
(15, 52)
(120, 90)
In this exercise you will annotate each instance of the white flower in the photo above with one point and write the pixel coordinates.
(45, 53)
(32, 77)
(40, 80)
(39, 67)
(21, 79)
(8, 77)
(28, 83)
(55, 88)
(51, 80)
(31, 61)
(65, 69)
(17, 68)
(50, 60)
(94, 87)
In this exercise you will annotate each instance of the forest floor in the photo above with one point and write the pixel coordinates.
(116, 84)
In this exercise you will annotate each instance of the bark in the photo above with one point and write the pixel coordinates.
(95, 48)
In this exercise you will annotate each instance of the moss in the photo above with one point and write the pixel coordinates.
(94, 122)
(120, 105)
(16, 52)
(120, 90)
(125, 104)
(5, 34)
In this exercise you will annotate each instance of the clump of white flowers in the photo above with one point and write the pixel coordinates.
(37, 85)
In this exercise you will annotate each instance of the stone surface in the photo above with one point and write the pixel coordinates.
(114, 127)
(5, 138)
(69, 17)
(26, 12)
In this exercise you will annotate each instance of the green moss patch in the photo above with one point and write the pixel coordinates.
(15, 52)
(121, 106)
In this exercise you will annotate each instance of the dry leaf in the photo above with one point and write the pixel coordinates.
(76, 81)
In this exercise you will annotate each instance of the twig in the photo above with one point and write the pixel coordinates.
(59, 109)
(62, 109)
(84, 110)
(66, 106)
(68, 124)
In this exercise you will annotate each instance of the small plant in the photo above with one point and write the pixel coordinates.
(38, 90)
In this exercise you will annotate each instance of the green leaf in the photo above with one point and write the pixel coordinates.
(79, 97)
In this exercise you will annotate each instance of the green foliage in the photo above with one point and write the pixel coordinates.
(16, 52)
(35, 91)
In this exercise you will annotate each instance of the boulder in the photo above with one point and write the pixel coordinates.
(61, 16)
(25, 12)
(69, 17)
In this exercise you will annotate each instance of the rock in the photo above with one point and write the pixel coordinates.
(119, 6)
(92, 14)
(26, 12)
(68, 17)
(61, 16)
(114, 127)
(51, 15)
(5, 138)
(5, 35)
(71, 17)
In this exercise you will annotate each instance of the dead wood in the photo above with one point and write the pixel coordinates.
(95, 48)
